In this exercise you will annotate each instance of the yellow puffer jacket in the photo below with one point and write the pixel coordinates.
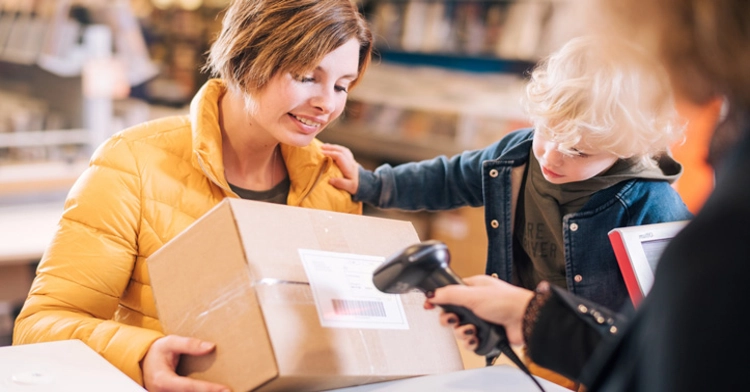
(143, 187)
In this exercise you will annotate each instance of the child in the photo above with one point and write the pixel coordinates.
(595, 160)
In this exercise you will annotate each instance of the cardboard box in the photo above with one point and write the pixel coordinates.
(237, 277)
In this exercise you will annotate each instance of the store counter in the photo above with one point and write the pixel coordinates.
(492, 378)
(61, 366)
(70, 365)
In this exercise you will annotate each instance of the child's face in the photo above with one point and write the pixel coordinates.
(560, 168)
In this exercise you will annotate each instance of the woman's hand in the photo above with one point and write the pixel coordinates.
(161, 360)
(349, 167)
(490, 299)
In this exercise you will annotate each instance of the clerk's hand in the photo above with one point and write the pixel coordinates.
(349, 167)
(490, 299)
(466, 334)
(161, 360)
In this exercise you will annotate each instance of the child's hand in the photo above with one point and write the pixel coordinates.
(349, 167)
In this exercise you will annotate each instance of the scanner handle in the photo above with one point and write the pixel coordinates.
(488, 334)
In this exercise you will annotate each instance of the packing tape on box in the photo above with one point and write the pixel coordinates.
(272, 281)
(292, 303)
(195, 318)
(271, 291)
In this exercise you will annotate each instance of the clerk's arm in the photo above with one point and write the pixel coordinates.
(562, 331)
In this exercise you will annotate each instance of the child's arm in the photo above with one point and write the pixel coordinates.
(435, 184)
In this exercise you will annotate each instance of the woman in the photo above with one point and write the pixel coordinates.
(284, 68)
(689, 333)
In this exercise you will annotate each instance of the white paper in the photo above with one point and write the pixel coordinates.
(345, 295)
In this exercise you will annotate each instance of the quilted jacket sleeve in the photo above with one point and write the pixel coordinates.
(89, 263)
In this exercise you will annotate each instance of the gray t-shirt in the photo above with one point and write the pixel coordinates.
(278, 194)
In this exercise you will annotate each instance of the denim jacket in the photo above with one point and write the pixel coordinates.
(491, 177)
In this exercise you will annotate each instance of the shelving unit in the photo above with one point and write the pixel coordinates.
(477, 64)
(383, 148)
(34, 159)
(399, 113)
(45, 134)
(59, 78)
(45, 138)
(447, 75)
(500, 31)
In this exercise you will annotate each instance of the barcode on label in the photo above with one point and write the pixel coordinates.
(358, 308)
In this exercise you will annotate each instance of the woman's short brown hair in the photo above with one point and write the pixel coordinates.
(260, 38)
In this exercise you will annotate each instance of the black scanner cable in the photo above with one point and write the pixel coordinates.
(492, 338)
(504, 347)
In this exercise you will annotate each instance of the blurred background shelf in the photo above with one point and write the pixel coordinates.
(479, 64)
(30, 182)
(389, 148)
(45, 138)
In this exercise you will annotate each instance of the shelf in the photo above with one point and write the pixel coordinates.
(27, 230)
(477, 64)
(45, 138)
(39, 177)
(65, 67)
(407, 113)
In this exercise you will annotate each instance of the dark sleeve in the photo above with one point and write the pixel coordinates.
(566, 330)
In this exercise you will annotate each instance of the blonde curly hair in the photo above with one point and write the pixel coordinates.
(604, 94)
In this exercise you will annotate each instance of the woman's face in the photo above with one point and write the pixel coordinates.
(561, 168)
(293, 109)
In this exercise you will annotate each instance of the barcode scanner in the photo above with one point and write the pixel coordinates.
(425, 266)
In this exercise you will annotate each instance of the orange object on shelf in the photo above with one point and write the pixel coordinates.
(697, 180)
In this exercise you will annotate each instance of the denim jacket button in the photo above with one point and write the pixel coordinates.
(493, 173)
(494, 223)
(578, 278)
(574, 227)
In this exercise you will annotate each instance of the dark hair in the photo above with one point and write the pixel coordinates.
(703, 43)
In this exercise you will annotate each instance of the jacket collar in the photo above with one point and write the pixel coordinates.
(304, 164)
(517, 147)
(206, 134)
